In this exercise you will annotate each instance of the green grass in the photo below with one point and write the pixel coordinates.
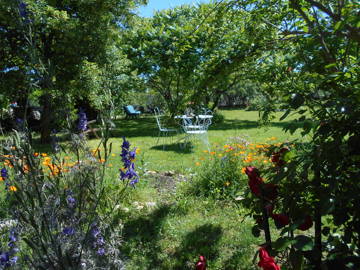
(181, 226)
(143, 132)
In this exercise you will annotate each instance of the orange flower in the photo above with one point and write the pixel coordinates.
(36, 154)
(46, 161)
(43, 154)
(55, 170)
(26, 168)
(212, 153)
(243, 170)
(12, 188)
(8, 163)
(197, 163)
(1, 179)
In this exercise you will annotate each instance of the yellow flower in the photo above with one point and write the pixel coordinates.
(265, 161)
(46, 161)
(137, 151)
(110, 165)
(220, 155)
(113, 155)
(227, 183)
(43, 154)
(197, 163)
(12, 188)
(205, 151)
(67, 158)
(243, 170)
(36, 154)
(55, 170)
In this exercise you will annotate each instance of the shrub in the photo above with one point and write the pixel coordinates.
(218, 118)
(63, 207)
(221, 173)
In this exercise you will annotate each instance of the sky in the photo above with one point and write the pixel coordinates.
(153, 5)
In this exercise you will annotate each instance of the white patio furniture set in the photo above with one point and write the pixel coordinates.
(193, 127)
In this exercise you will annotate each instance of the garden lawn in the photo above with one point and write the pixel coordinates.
(178, 226)
(142, 133)
(164, 225)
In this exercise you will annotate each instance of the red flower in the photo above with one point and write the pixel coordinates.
(255, 180)
(307, 224)
(252, 172)
(254, 184)
(281, 220)
(266, 261)
(201, 264)
(270, 191)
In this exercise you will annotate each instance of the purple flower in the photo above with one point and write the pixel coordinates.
(133, 182)
(100, 241)
(128, 157)
(125, 144)
(101, 251)
(82, 122)
(71, 201)
(23, 10)
(95, 231)
(4, 258)
(68, 231)
(4, 173)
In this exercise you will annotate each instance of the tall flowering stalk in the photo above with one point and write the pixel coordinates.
(127, 157)
(82, 121)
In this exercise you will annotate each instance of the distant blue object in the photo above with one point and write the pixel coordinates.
(131, 112)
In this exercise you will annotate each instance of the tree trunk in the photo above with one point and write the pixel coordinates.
(45, 129)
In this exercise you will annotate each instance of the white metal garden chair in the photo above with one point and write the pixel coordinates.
(163, 131)
(197, 129)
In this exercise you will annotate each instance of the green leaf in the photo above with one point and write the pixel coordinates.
(255, 231)
(337, 25)
(285, 114)
(288, 156)
(303, 243)
(282, 243)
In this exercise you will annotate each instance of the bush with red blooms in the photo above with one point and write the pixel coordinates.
(201, 263)
(266, 261)
(267, 196)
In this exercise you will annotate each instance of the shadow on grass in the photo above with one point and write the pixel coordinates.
(143, 234)
(146, 127)
(201, 241)
(174, 147)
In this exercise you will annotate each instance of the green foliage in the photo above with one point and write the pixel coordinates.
(63, 209)
(178, 53)
(314, 74)
(221, 173)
